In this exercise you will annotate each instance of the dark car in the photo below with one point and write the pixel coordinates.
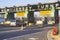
(21, 23)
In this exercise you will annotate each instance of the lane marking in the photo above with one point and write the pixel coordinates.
(10, 31)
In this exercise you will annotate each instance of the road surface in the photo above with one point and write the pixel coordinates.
(38, 34)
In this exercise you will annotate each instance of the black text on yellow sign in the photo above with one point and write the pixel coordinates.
(45, 13)
(20, 13)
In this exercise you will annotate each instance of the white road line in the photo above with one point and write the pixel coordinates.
(49, 35)
(10, 31)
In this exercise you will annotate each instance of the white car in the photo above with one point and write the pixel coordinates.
(7, 22)
(10, 23)
(13, 24)
(2, 21)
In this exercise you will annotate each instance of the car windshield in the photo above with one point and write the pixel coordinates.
(2, 20)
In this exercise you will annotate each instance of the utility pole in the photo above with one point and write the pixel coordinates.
(57, 21)
(59, 15)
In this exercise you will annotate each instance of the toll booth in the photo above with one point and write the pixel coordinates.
(10, 20)
(21, 18)
(44, 17)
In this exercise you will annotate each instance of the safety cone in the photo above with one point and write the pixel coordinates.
(54, 31)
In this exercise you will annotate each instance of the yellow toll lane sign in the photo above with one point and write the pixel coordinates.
(20, 13)
(45, 13)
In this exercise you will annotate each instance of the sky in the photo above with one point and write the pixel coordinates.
(10, 3)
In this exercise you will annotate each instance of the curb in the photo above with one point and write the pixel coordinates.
(52, 37)
(49, 35)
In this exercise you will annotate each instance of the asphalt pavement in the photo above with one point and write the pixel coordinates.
(40, 33)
